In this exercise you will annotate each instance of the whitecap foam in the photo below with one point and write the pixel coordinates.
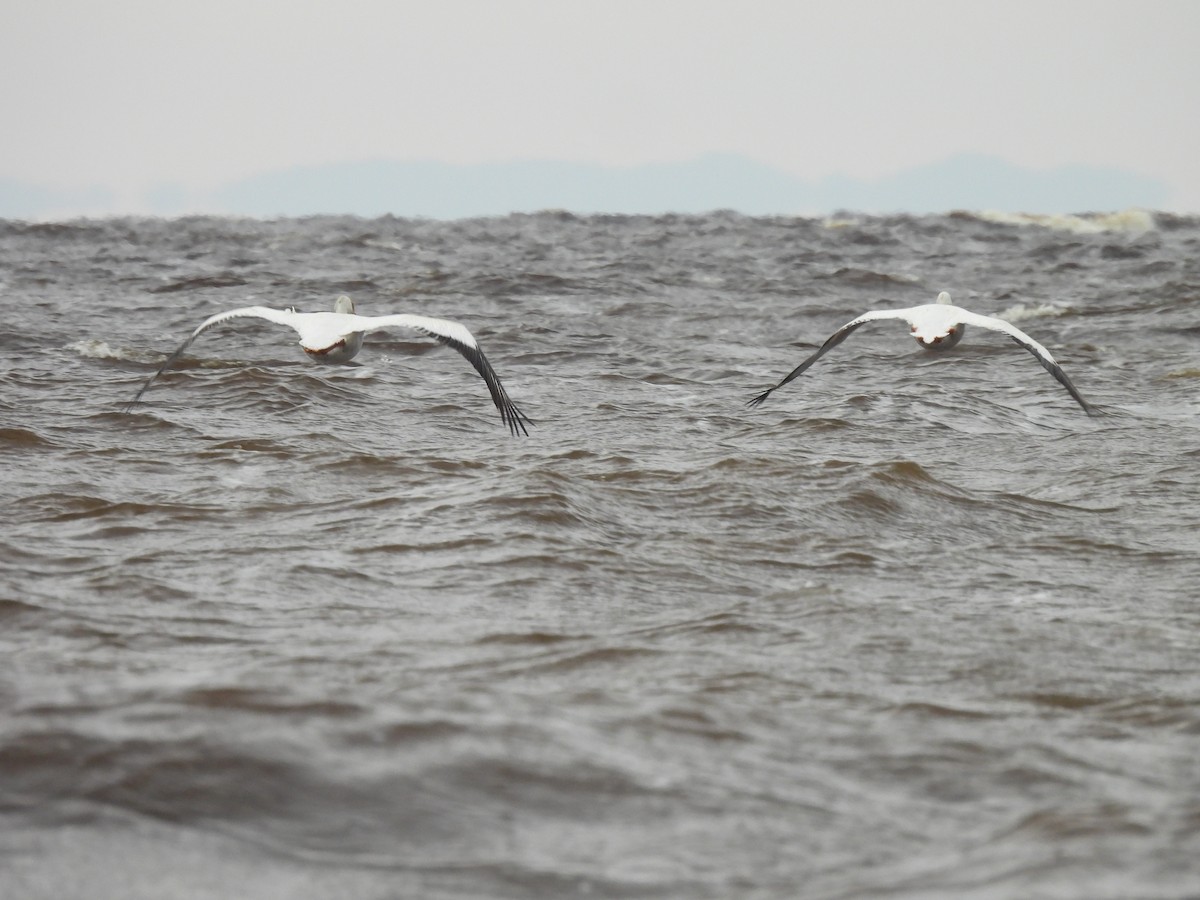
(1130, 220)
(93, 349)
(1022, 311)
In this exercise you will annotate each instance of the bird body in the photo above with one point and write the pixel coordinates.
(335, 338)
(938, 326)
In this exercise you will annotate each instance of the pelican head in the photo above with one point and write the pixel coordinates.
(344, 304)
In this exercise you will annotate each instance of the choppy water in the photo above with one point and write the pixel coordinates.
(917, 627)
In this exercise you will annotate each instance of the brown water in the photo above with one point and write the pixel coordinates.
(916, 627)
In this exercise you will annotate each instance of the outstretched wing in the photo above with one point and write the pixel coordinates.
(834, 339)
(455, 335)
(278, 316)
(1040, 353)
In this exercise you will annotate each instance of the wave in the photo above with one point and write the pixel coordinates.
(1133, 221)
(90, 348)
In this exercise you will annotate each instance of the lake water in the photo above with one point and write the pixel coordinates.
(916, 627)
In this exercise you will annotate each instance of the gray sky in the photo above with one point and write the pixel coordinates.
(131, 95)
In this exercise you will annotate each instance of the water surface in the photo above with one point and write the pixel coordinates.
(916, 627)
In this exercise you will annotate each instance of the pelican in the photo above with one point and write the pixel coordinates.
(939, 326)
(336, 337)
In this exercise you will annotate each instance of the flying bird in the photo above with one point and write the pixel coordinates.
(939, 326)
(336, 337)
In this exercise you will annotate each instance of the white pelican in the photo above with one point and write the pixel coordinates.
(336, 337)
(939, 326)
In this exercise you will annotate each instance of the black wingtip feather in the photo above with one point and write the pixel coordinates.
(128, 407)
(756, 402)
(510, 415)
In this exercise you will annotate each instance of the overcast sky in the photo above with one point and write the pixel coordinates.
(133, 95)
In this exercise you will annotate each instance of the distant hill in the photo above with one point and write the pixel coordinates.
(445, 191)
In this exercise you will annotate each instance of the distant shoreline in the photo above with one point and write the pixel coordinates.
(443, 191)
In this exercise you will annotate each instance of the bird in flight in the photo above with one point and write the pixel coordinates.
(939, 326)
(336, 337)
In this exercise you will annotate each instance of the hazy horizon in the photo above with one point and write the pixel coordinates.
(437, 190)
